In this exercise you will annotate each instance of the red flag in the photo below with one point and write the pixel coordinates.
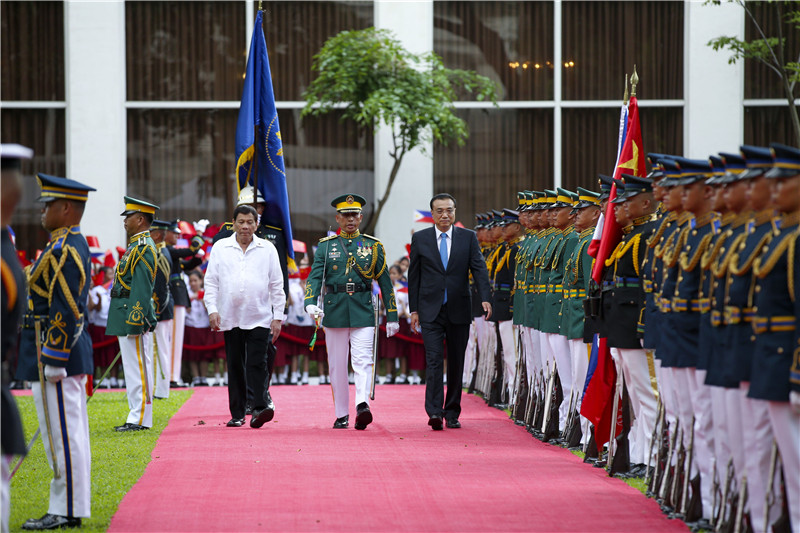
(108, 259)
(186, 228)
(630, 161)
(598, 401)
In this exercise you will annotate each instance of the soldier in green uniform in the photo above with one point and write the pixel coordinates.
(577, 275)
(344, 268)
(132, 315)
(55, 351)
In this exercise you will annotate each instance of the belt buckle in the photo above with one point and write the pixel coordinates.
(349, 288)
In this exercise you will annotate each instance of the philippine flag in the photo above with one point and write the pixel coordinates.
(423, 216)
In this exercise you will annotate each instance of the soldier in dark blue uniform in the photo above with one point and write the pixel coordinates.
(58, 361)
(183, 260)
(775, 374)
(164, 305)
(12, 282)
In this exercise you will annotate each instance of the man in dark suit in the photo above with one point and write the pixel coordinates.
(439, 295)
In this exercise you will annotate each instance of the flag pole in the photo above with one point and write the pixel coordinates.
(634, 81)
(254, 166)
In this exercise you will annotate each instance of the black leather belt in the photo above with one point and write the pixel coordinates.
(29, 321)
(349, 288)
(120, 292)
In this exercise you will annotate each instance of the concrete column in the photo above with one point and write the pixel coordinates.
(713, 116)
(412, 24)
(94, 35)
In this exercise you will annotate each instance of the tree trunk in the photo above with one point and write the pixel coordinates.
(376, 214)
(792, 111)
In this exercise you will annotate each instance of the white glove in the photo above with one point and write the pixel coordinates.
(794, 400)
(392, 328)
(54, 374)
(200, 252)
(315, 311)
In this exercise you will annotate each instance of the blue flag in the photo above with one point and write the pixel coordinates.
(259, 150)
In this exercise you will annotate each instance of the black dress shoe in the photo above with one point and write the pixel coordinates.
(130, 427)
(364, 416)
(235, 422)
(342, 422)
(248, 410)
(173, 384)
(453, 424)
(264, 415)
(435, 422)
(51, 521)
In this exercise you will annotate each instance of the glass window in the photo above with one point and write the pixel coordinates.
(602, 41)
(509, 42)
(32, 50)
(760, 80)
(765, 125)
(295, 32)
(183, 160)
(507, 151)
(185, 50)
(43, 131)
(590, 139)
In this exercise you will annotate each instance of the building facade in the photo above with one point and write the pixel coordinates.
(141, 98)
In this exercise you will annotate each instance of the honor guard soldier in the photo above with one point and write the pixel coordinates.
(162, 300)
(627, 305)
(577, 275)
(502, 276)
(344, 268)
(56, 351)
(12, 282)
(132, 316)
(775, 373)
(181, 260)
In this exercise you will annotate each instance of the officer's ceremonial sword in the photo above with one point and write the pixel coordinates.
(43, 385)
(374, 348)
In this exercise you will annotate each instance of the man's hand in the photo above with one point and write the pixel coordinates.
(54, 374)
(392, 328)
(794, 400)
(314, 311)
(214, 321)
(487, 310)
(415, 322)
(275, 329)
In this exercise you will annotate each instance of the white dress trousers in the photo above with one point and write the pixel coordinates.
(358, 342)
(71, 493)
(162, 352)
(178, 323)
(137, 359)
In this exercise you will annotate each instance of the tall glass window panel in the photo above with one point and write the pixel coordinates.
(324, 157)
(185, 50)
(508, 150)
(508, 42)
(43, 130)
(761, 81)
(32, 51)
(295, 32)
(183, 161)
(765, 125)
(602, 41)
(590, 139)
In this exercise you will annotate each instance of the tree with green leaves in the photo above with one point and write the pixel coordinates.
(374, 80)
(769, 50)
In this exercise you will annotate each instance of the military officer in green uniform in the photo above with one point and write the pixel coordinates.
(132, 316)
(55, 352)
(344, 267)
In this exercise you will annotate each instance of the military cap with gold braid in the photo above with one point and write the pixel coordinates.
(717, 170)
(349, 203)
(54, 188)
(160, 225)
(549, 199)
(735, 164)
(563, 198)
(132, 205)
(692, 170)
(758, 160)
(786, 162)
(587, 198)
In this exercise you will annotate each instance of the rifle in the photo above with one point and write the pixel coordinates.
(687, 469)
(658, 429)
(737, 526)
(496, 385)
(726, 492)
(477, 362)
(550, 427)
(612, 436)
(665, 480)
(620, 462)
(520, 378)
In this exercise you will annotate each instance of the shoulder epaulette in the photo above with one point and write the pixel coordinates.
(370, 237)
(272, 227)
(328, 238)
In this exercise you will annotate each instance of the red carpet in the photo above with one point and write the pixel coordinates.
(298, 474)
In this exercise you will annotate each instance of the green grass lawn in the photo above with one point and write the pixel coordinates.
(118, 459)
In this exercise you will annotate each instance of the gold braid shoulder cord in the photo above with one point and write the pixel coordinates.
(687, 264)
(713, 251)
(672, 255)
(787, 244)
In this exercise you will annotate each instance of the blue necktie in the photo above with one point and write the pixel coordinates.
(443, 255)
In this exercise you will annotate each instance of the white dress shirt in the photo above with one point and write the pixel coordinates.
(245, 288)
(449, 233)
